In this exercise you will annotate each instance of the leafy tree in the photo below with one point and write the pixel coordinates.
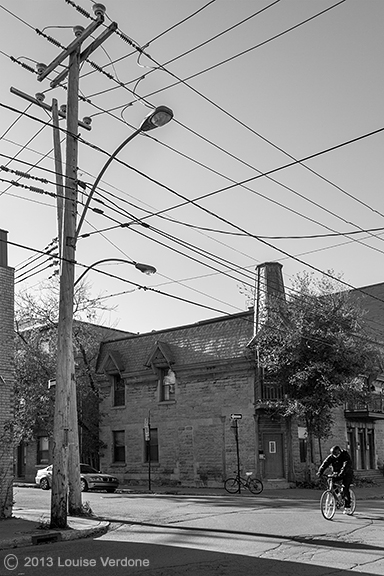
(316, 344)
(36, 346)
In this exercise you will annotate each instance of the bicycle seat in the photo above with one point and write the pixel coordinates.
(248, 473)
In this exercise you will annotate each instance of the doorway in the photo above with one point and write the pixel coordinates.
(274, 455)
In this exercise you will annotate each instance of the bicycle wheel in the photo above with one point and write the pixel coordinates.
(231, 485)
(353, 500)
(255, 485)
(328, 505)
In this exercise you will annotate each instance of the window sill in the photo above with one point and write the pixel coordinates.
(167, 402)
(153, 464)
(120, 407)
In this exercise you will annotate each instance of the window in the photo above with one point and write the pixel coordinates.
(303, 443)
(118, 390)
(167, 383)
(119, 446)
(151, 446)
(43, 450)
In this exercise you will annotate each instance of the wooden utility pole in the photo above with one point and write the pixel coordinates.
(59, 175)
(67, 279)
(66, 468)
(64, 457)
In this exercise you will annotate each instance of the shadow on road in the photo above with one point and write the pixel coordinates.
(314, 541)
(115, 558)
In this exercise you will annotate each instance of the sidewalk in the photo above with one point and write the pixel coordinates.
(28, 527)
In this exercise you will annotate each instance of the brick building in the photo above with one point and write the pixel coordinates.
(184, 383)
(7, 378)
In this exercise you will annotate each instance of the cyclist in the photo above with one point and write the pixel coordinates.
(342, 468)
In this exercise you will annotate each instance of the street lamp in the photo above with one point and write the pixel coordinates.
(66, 471)
(144, 268)
(157, 118)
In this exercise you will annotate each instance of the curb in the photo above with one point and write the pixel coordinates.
(44, 536)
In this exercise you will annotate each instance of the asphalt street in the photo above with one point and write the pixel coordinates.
(211, 534)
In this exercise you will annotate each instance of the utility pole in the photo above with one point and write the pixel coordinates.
(59, 174)
(66, 467)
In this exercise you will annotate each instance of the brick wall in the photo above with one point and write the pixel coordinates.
(6, 388)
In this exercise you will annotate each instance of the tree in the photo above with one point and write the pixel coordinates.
(36, 344)
(317, 346)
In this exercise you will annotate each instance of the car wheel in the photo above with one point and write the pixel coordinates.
(83, 485)
(44, 484)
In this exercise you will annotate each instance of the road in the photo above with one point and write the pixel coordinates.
(198, 535)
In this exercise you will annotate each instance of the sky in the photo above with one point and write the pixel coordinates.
(275, 151)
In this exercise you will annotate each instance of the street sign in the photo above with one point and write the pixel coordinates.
(236, 416)
(146, 429)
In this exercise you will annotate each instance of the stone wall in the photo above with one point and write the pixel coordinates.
(197, 445)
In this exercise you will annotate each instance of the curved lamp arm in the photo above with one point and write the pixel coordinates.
(160, 116)
(145, 268)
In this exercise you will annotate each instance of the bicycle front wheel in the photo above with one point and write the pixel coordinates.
(255, 485)
(232, 485)
(328, 505)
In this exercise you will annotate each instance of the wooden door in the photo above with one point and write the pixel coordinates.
(274, 455)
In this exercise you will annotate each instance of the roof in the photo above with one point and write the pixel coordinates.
(208, 341)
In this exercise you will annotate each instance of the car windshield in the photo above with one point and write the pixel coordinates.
(86, 469)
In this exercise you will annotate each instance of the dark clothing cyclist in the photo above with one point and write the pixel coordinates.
(342, 468)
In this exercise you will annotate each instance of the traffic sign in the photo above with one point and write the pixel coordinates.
(236, 416)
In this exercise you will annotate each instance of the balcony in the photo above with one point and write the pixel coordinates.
(268, 391)
(372, 409)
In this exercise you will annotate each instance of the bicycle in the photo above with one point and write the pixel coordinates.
(332, 498)
(233, 485)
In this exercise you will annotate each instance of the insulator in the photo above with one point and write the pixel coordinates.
(99, 9)
(40, 67)
(78, 30)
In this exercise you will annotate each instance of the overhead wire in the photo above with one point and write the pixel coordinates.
(172, 296)
(316, 173)
(274, 170)
(289, 155)
(310, 200)
(211, 39)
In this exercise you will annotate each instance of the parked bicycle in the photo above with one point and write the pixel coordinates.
(332, 498)
(233, 485)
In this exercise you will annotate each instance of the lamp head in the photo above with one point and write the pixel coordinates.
(145, 268)
(157, 118)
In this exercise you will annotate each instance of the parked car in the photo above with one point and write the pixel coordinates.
(90, 479)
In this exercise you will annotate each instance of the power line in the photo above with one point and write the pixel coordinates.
(307, 198)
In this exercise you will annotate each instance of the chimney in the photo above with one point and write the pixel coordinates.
(3, 248)
(269, 289)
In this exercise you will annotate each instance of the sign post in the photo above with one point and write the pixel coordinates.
(235, 418)
(147, 437)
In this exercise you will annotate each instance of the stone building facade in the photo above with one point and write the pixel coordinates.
(184, 384)
(168, 397)
(7, 378)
